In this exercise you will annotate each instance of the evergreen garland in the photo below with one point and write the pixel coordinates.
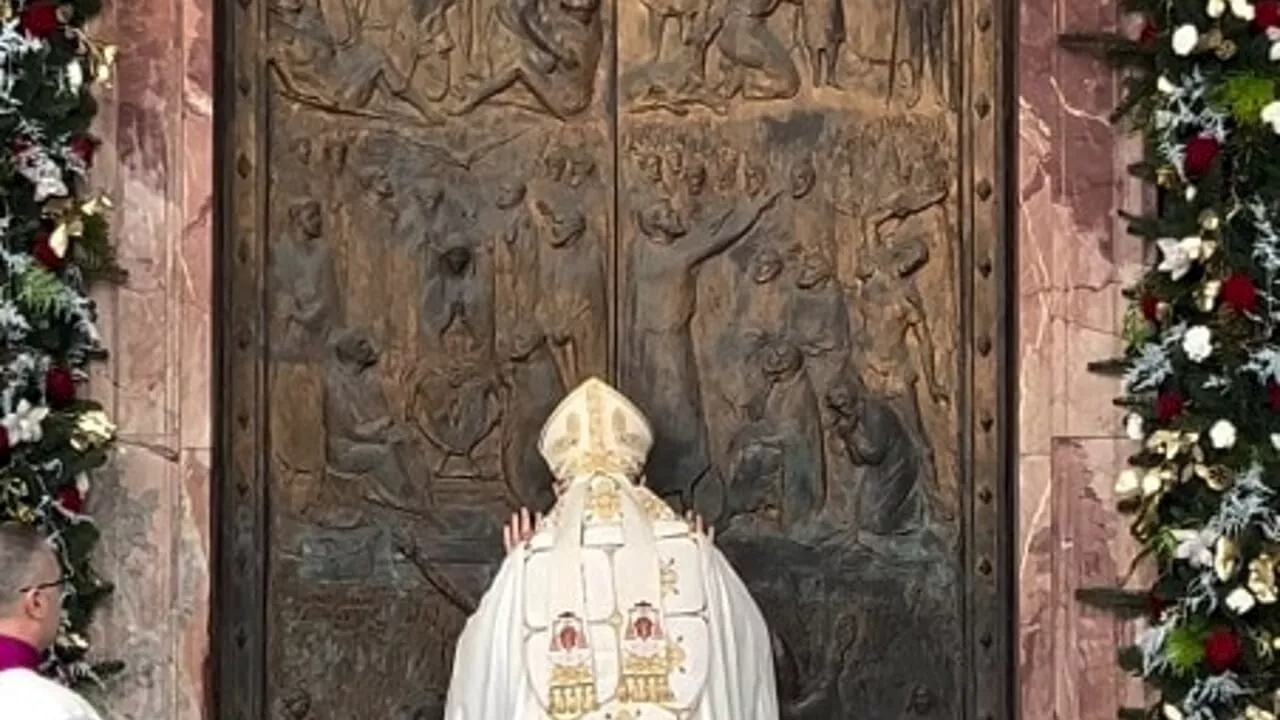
(1202, 359)
(53, 244)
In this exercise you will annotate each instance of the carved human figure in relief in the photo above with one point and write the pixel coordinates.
(613, 606)
(660, 364)
(901, 351)
(754, 62)
(363, 443)
(786, 424)
(570, 305)
(558, 44)
(533, 388)
(890, 499)
(822, 32)
(307, 304)
(758, 312)
(818, 317)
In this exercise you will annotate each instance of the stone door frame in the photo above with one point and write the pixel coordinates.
(987, 31)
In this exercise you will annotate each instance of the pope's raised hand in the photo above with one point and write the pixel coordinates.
(519, 529)
(699, 526)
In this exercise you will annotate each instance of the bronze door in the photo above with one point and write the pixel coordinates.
(779, 226)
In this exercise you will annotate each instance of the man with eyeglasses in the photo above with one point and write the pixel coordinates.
(30, 614)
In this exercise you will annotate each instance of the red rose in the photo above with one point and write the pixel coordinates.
(1169, 405)
(84, 146)
(43, 252)
(1266, 14)
(1239, 294)
(1150, 307)
(59, 387)
(1221, 650)
(71, 500)
(1149, 33)
(1201, 151)
(40, 19)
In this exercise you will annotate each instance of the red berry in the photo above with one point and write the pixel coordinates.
(39, 19)
(1222, 650)
(1238, 293)
(59, 387)
(1169, 405)
(1155, 606)
(43, 252)
(1150, 307)
(1266, 14)
(71, 500)
(1201, 151)
(84, 146)
(1149, 33)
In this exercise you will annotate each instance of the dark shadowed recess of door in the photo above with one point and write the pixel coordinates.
(782, 227)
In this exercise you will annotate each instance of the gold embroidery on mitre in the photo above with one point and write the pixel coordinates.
(572, 687)
(646, 658)
(634, 441)
(595, 429)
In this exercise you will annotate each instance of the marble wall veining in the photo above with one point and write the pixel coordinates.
(155, 506)
(1074, 258)
(156, 162)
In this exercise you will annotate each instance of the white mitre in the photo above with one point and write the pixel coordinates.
(615, 606)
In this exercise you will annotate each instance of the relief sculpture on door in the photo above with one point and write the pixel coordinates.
(746, 212)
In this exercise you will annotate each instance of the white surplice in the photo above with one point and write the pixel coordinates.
(615, 608)
(29, 696)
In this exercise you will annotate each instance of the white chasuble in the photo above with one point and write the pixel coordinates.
(615, 609)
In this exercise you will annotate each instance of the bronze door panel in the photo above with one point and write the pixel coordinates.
(771, 223)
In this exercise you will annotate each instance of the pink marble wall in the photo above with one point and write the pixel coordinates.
(1074, 259)
(156, 161)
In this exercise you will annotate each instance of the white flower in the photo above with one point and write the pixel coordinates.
(1241, 601)
(1273, 53)
(1197, 343)
(1128, 485)
(1223, 435)
(1185, 39)
(1275, 440)
(1271, 115)
(41, 171)
(1190, 193)
(24, 423)
(1133, 427)
(1242, 9)
(75, 76)
(1165, 85)
(1195, 546)
(1216, 8)
(1171, 712)
(1177, 256)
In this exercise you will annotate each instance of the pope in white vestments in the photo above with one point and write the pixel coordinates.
(615, 608)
